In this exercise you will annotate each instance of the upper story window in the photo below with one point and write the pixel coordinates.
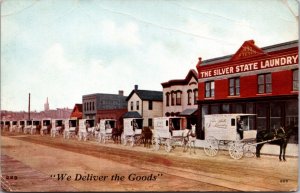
(234, 86)
(131, 105)
(295, 80)
(137, 105)
(189, 97)
(178, 97)
(172, 98)
(195, 96)
(209, 89)
(167, 99)
(264, 82)
(150, 105)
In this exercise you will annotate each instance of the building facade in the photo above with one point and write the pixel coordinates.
(180, 98)
(76, 112)
(144, 104)
(92, 103)
(260, 81)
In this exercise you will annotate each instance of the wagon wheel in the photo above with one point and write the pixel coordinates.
(236, 150)
(155, 142)
(249, 150)
(125, 140)
(168, 146)
(103, 139)
(211, 147)
(132, 141)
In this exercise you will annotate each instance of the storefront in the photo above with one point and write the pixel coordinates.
(260, 81)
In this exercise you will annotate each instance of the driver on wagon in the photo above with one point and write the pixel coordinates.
(240, 125)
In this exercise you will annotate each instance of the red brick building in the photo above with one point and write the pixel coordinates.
(77, 111)
(261, 81)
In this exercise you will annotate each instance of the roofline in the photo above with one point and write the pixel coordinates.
(267, 49)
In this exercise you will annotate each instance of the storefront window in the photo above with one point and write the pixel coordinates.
(237, 108)
(225, 108)
(261, 110)
(214, 109)
(275, 119)
(291, 111)
(249, 108)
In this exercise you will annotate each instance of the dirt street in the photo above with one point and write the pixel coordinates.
(175, 171)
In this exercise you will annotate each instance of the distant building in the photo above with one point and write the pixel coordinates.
(145, 104)
(180, 98)
(76, 112)
(95, 103)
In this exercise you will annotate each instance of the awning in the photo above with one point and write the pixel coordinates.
(188, 112)
(132, 114)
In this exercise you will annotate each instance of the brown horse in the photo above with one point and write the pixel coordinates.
(147, 136)
(116, 134)
(278, 137)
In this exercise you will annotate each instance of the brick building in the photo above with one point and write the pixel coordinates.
(261, 81)
(95, 106)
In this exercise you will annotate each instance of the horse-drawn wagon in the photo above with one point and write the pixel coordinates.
(168, 131)
(132, 130)
(21, 125)
(28, 126)
(36, 124)
(232, 132)
(14, 126)
(106, 127)
(46, 126)
(86, 128)
(70, 128)
(57, 127)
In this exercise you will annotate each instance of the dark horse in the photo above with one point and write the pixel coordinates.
(147, 136)
(278, 137)
(116, 134)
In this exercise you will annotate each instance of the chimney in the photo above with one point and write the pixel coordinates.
(121, 92)
(136, 87)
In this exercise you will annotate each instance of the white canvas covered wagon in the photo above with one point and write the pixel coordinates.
(46, 126)
(57, 127)
(21, 125)
(28, 126)
(233, 131)
(168, 131)
(106, 127)
(14, 126)
(35, 126)
(70, 128)
(132, 130)
(86, 128)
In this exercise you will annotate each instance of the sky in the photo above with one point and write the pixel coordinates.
(63, 49)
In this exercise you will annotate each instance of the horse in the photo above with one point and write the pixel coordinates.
(116, 134)
(189, 137)
(278, 137)
(146, 136)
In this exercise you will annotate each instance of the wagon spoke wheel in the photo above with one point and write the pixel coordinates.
(168, 145)
(236, 150)
(132, 141)
(211, 147)
(155, 143)
(249, 150)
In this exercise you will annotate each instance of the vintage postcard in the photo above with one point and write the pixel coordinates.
(156, 95)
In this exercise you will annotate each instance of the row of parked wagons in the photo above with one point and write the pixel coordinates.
(168, 131)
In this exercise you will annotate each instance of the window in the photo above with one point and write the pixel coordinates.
(167, 99)
(178, 98)
(131, 105)
(195, 96)
(150, 122)
(264, 83)
(210, 89)
(172, 98)
(234, 86)
(295, 80)
(137, 105)
(150, 105)
(189, 92)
